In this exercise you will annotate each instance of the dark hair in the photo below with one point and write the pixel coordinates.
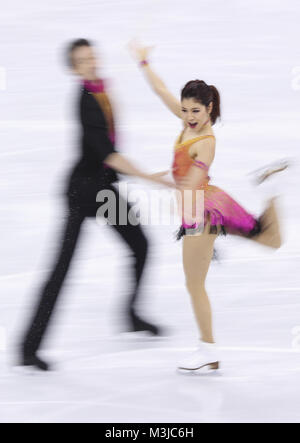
(74, 45)
(205, 94)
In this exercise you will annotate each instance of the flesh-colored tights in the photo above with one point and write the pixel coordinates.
(197, 256)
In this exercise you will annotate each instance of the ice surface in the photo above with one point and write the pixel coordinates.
(250, 50)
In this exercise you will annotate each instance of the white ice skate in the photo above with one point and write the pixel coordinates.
(204, 357)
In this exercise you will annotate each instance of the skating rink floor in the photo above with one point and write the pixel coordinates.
(250, 51)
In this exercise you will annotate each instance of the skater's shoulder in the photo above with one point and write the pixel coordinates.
(205, 145)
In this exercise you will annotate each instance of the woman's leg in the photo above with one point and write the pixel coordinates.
(270, 235)
(197, 256)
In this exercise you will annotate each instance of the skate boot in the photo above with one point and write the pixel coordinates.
(137, 324)
(34, 362)
(204, 357)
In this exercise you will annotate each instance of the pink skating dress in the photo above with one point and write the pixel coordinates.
(226, 214)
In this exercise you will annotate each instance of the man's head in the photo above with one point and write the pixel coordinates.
(81, 58)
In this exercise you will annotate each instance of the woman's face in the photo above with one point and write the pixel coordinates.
(194, 114)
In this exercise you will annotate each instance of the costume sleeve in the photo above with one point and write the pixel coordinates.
(96, 134)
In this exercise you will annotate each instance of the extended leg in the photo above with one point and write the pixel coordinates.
(270, 234)
(137, 242)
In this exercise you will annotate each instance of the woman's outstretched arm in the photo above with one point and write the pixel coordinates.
(141, 54)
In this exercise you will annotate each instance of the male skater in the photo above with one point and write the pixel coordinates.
(95, 171)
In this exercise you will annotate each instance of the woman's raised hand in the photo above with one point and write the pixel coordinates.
(138, 51)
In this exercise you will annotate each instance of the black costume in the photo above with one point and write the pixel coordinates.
(87, 178)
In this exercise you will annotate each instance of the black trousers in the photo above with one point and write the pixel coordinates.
(132, 235)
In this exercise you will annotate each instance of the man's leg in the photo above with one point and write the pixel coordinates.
(136, 240)
(51, 290)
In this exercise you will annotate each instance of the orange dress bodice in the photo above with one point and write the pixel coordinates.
(183, 161)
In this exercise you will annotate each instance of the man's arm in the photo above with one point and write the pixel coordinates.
(124, 166)
(97, 139)
(95, 134)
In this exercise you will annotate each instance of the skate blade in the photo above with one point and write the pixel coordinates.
(209, 366)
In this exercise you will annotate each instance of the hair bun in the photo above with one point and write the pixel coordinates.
(200, 82)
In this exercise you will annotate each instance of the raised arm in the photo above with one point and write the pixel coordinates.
(158, 86)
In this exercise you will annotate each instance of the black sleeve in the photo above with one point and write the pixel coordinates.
(95, 133)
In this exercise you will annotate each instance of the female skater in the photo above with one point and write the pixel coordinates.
(194, 153)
